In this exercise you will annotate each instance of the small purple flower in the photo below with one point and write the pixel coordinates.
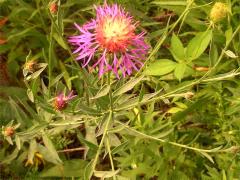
(110, 42)
(61, 101)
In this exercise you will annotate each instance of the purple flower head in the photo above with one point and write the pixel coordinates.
(61, 100)
(109, 42)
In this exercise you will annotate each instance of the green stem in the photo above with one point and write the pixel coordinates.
(172, 143)
(111, 109)
(50, 59)
(110, 117)
(110, 157)
(110, 92)
(102, 140)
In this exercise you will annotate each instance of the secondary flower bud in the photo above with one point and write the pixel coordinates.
(218, 12)
(61, 101)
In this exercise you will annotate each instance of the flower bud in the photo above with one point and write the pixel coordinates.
(30, 66)
(218, 12)
(9, 131)
(61, 101)
(53, 7)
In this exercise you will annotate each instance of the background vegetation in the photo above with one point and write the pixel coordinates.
(177, 118)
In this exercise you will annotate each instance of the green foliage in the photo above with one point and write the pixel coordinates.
(160, 67)
(176, 118)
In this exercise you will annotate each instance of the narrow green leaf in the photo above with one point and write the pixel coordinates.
(18, 142)
(60, 41)
(207, 156)
(31, 132)
(38, 72)
(127, 86)
(56, 79)
(21, 33)
(174, 110)
(71, 168)
(160, 67)
(102, 92)
(198, 45)
(228, 35)
(142, 92)
(29, 56)
(48, 143)
(170, 3)
(213, 54)
(8, 159)
(120, 147)
(91, 133)
(20, 115)
(87, 143)
(181, 105)
(135, 101)
(177, 49)
(66, 75)
(114, 140)
(30, 95)
(163, 134)
(105, 174)
(231, 54)
(88, 171)
(87, 110)
(14, 92)
(32, 150)
(180, 70)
